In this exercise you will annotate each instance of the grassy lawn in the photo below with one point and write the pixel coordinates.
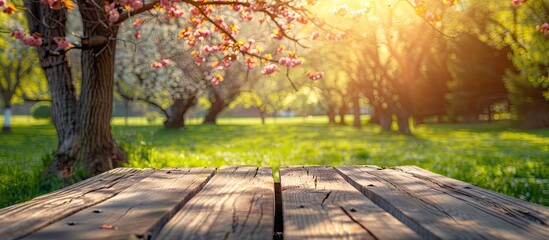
(496, 157)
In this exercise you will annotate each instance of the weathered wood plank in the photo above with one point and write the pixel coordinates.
(319, 204)
(137, 212)
(514, 208)
(238, 203)
(436, 212)
(24, 218)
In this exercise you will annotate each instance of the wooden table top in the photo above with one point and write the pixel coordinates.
(243, 202)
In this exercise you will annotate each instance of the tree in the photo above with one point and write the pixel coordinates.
(476, 85)
(82, 120)
(172, 89)
(522, 28)
(18, 67)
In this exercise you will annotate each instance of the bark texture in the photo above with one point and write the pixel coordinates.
(176, 112)
(83, 124)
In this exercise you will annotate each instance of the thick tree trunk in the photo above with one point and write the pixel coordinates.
(220, 102)
(177, 110)
(63, 96)
(356, 112)
(217, 106)
(331, 112)
(385, 119)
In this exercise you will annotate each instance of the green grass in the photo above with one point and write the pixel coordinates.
(495, 156)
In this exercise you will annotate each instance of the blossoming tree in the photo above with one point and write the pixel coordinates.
(83, 119)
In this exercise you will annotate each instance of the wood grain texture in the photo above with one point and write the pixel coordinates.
(436, 212)
(24, 218)
(238, 203)
(137, 212)
(319, 204)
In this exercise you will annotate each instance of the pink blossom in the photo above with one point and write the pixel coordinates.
(164, 62)
(544, 28)
(113, 15)
(211, 49)
(216, 80)
(156, 65)
(315, 76)
(138, 22)
(2, 3)
(137, 4)
(237, 7)
(315, 35)
(18, 33)
(516, 3)
(202, 33)
(62, 43)
(194, 11)
(290, 61)
(227, 63)
(269, 69)
(34, 41)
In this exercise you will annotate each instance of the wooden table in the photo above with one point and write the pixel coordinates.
(312, 202)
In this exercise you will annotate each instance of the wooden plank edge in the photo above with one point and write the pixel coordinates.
(140, 175)
(384, 204)
(517, 208)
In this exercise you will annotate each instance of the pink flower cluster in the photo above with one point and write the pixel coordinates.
(543, 28)
(6, 8)
(54, 4)
(290, 61)
(211, 49)
(269, 69)
(112, 9)
(161, 64)
(62, 43)
(517, 2)
(217, 79)
(315, 76)
(34, 40)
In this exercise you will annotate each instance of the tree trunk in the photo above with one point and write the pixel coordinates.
(385, 119)
(97, 148)
(331, 112)
(356, 113)
(403, 121)
(60, 83)
(7, 117)
(218, 104)
(177, 110)
(342, 112)
(262, 115)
